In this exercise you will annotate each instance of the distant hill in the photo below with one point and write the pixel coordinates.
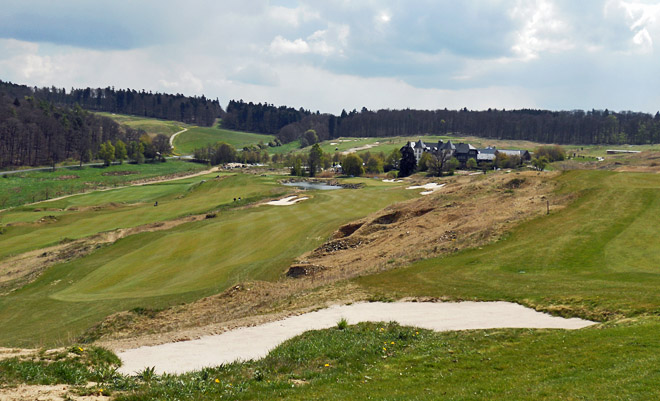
(190, 110)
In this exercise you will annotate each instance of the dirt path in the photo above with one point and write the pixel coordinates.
(174, 136)
(255, 342)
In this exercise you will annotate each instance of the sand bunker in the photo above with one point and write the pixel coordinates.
(359, 148)
(392, 180)
(430, 187)
(288, 201)
(255, 342)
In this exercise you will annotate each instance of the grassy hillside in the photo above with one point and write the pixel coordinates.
(598, 258)
(181, 264)
(20, 188)
(197, 137)
(151, 126)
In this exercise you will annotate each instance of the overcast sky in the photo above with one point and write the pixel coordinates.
(329, 55)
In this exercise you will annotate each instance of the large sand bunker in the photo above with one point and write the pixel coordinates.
(255, 342)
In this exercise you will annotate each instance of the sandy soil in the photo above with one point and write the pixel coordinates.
(255, 342)
(288, 201)
(59, 392)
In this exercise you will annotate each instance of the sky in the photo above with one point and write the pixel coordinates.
(346, 54)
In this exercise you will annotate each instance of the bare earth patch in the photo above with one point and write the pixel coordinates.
(60, 392)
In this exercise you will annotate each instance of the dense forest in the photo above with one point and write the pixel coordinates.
(35, 132)
(261, 118)
(563, 127)
(191, 110)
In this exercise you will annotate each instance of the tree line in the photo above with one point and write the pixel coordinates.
(36, 132)
(562, 127)
(190, 110)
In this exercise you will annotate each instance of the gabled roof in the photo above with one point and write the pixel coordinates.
(464, 148)
(488, 151)
(448, 146)
(420, 144)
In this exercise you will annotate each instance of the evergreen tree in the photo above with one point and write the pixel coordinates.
(408, 163)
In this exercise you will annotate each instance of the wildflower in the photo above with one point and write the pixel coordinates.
(384, 349)
(81, 350)
(217, 380)
(327, 365)
(392, 343)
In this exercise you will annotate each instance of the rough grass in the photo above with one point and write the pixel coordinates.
(598, 258)
(197, 137)
(158, 269)
(20, 188)
(390, 362)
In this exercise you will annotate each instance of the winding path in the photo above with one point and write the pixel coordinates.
(174, 136)
(255, 342)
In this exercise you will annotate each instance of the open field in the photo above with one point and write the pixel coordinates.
(197, 137)
(151, 126)
(157, 269)
(27, 187)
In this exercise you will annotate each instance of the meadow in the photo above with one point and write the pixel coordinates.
(32, 186)
(151, 126)
(197, 137)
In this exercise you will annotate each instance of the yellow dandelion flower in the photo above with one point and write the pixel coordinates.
(392, 343)
(384, 349)
(217, 380)
(81, 350)
(326, 365)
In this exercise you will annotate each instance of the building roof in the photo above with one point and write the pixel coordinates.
(488, 151)
(448, 146)
(512, 152)
(464, 148)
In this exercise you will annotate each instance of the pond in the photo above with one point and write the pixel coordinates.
(312, 185)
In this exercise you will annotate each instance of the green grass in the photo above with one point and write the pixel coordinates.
(612, 363)
(388, 362)
(598, 258)
(197, 137)
(123, 208)
(158, 269)
(20, 188)
(151, 126)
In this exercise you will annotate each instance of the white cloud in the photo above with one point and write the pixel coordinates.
(542, 29)
(279, 45)
(641, 19)
(292, 16)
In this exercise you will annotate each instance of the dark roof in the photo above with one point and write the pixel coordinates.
(420, 144)
(464, 148)
(448, 146)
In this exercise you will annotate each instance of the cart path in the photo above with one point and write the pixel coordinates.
(174, 136)
(255, 342)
